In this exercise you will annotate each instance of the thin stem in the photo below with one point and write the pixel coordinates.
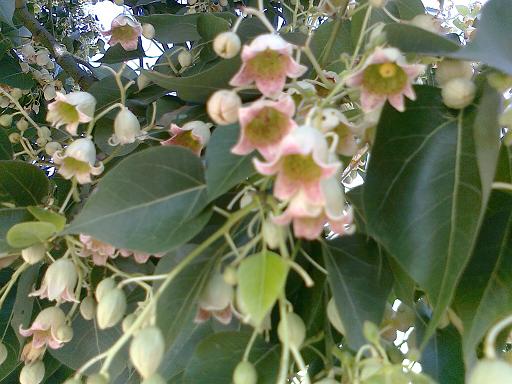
(316, 65)
(142, 278)
(68, 197)
(12, 281)
(249, 345)
(502, 186)
(300, 364)
(261, 16)
(361, 35)
(285, 350)
(101, 114)
(20, 108)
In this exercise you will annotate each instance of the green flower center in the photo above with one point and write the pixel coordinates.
(124, 33)
(268, 63)
(384, 79)
(301, 167)
(67, 112)
(267, 127)
(186, 139)
(77, 165)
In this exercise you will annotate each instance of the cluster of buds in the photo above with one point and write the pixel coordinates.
(454, 77)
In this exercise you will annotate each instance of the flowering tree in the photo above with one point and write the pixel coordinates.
(292, 192)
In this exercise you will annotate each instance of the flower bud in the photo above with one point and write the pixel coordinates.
(334, 317)
(489, 371)
(128, 322)
(14, 137)
(97, 378)
(227, 45)
(59, 281)
(452, 69)
(147, 350)
(32, 373)
(111, 308)
(458, 93)
(245, 373)
(44, 132)
(6, 120)
(88, 308)
(154, 379)
(296, 330)
(230, 276)
(64, 333)
(34, 254)
(103, 287)
(3, 353)
(185, 59)
(22, 125)
(51, 147)
(41, 141)
(377, 3)
(223, 107)
(82, 150)
(272, 233)
(126, 128)
(148, 31)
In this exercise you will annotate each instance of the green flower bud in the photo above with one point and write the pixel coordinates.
(52, 147)
(32, 373)
(230, 276)
(458, 93)
(148, 31)
(103, 287)
(227, 45)
(245, 373)
(147, 350)
(128, 321)
(296, 330)
(88, 308)
(14, 137)
(185, 59)
(34, 254)
(64, 333)
(453, 69)
(3, 353)
(111, 308)
(489, 371)
(6, 120)
(22, 125)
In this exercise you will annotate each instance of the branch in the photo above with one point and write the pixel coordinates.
(65, 59)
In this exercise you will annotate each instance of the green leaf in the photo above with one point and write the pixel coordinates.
(331, 40)
(209, 26)
(261, 280)
(12, 74)
(225, 170)
(22, 183)
(148, 202)
(424, 198)
(24, 235)
(463, 10)
(23, 304)
(198, 87)
(172, 29)
(7, 11)
(5, 146)
(217, 356)
(410, 8)
(117, 54)
(360, 281)
(484, 295)
(48, 216)
(8, 218)
(411, 39)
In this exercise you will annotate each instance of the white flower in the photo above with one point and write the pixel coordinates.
(71, 109)
(126, 128)
(78, 161)
(59, 282)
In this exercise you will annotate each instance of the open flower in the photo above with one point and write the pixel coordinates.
(194, 135)
(385, 76)
(70, 110)
(267, 61)
(140, 257)
(216, 300)
(59, 282)
(44, 333)
(99, 250)
(263, 125)
(124, 31)
(300, 163)
(78, 160)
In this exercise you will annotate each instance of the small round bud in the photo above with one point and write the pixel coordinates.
(377, 3)
(185, 59)
(3, 353)
(154, 379)
(64, 333)
(296, 330)
(103, 287)
(223, 107)
(227, 45)
(245, 373)
(41, 141)
(111, 308)
(458, 93)
(32, 373)
(16, 93)
(34, 254)
(148, 31)
(51, 147)
(14, 137)
(489, 371)
(6, 120)
(147, 350)
(128, 322)
(97, 378)
(230, 276)
(22, 125)
(452, 69)
(272, 233)
(334, 317)
(44, 132)
(88, 308)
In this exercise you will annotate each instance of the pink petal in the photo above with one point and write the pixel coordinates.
(294, 69)
(308, 229)
(241, 78)
(271, 87)
(371, 101)
(201, 316)
(223, 316)
(355, 80)
(409, 92)
(284, 188)
(25, 332)
(267, 168)
(397, 101)
(130, 45)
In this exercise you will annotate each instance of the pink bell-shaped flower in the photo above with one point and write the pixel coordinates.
(124, 31)
(194, 135)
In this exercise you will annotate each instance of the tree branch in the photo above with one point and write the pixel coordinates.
(65, 59)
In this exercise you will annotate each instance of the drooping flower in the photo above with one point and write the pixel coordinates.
(263, 125)
(78, 160)
(140, 257)
(59, 282)
(194, 135)
(43, 331)
(216, 300)
(126, 128)
(99, 250)
(70, 110)
(385, 76)
(267, 61)
(301, 162)
(124, 31)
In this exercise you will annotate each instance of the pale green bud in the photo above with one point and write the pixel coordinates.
(32, 373)
(22, 125)
(245, 373)
(147, 350)
(3, 353)
(88, 308)
(296, 330)
(6, 120)
(489, 371)
(458, 93)
(103, 287)
(34, 254)
(111, 308)
(185, 59)
(128, 322)
(64, 333)
(227, 45)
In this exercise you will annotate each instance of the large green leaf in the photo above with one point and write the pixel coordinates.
(410, 8)
(173, 28)
(360, 281)
(330, 40)
(7, 11)
(117, 54)
(12, 74)
(5, 146)
(23, 304)
(223, 169)
(22, 183)
(261, 279)
(198, 87)
(424, 196)
(411, 39)
(24, 235)
(149, 202)
(216, 357)
(8, 218)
